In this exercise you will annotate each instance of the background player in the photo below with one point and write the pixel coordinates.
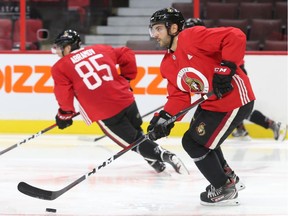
(90, 75)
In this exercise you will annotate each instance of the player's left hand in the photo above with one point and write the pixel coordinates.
(156, 128)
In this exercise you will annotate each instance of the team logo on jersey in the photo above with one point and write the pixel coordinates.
(201, 129)
(194, 84)
(194, 79)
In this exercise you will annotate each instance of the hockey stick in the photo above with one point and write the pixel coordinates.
(31, 137)
(101, 137)
(52, 195)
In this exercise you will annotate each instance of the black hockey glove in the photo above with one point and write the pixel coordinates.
(156, 128)
(64, 118)
(223, 77)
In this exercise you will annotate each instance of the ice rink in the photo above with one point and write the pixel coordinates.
(129, 186)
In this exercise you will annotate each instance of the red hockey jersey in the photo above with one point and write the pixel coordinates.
(191, 68)
(90, 75)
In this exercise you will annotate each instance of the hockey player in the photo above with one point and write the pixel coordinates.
(200, 60)
(278, 128)
(90, 75)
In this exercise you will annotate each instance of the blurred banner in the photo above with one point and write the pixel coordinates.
(26, 86)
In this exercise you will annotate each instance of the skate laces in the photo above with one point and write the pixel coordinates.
(213, 192)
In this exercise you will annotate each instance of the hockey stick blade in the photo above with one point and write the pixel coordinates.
(31, 137)
(35, 192)
(51, 195)
(39, 193)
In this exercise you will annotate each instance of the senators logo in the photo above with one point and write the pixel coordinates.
(194, 84)
(201, 129)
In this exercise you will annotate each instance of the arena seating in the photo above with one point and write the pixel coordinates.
(260, 20)
(5, 34)
(33, 33)
(277, 45)
(143, 45)
(255, 10)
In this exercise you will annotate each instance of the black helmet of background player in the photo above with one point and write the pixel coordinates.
(167, 16)
(191, 22)
(68, 37)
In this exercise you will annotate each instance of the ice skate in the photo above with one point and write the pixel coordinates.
(238, 183)
(279, 130)
(231, 174)
(226, 195)
(241, 134)
(175, 162)
(157, 165)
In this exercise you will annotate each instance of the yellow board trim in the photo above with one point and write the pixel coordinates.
(79, 127)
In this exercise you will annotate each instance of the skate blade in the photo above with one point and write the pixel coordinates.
(180, 167)
(283, 132)
(232, 202)
(240, 186)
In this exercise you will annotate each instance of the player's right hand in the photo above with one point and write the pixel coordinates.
(64, 118)
(156, 127)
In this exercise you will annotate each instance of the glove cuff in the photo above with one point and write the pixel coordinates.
(65, 115)
(165, 115)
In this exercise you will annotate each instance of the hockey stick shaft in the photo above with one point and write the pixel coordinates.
(51, 195)
(31, 137)
(99, 138)
(184, 111)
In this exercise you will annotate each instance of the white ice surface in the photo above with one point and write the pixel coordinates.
(128, 186)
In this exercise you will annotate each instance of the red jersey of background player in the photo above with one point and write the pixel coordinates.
(91, 76)
(191, 68)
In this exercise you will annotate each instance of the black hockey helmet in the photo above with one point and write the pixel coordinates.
(68, 37)
(190, 22)
(168, 16)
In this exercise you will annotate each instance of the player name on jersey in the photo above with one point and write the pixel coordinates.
(81, 55)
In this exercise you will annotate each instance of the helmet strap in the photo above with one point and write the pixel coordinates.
(171, 35)
(171, 41)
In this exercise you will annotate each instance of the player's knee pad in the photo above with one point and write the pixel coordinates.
(195, 150)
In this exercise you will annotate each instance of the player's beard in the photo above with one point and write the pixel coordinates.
(165, 42)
